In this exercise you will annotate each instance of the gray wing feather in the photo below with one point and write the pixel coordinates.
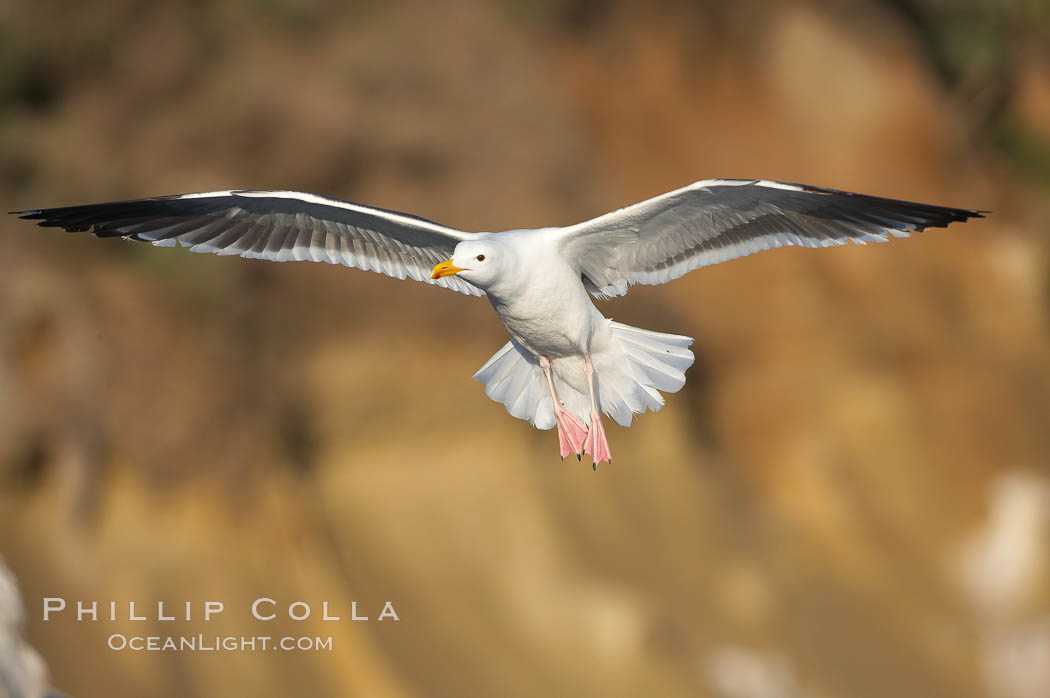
(713, 221)
(279, 226)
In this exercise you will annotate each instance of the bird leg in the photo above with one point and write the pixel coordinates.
(571, 431)
(595, 444)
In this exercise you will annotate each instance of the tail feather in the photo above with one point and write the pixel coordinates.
(635, 366)
(631, 369)
(517, 382)
(529, 397)
(670, 349)
(497, 367)
(514, 378)
(655, 374)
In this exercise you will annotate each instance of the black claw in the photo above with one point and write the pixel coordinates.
(579, 457)
(594, 467)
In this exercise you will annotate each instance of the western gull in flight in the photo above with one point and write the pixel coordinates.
(565, 363)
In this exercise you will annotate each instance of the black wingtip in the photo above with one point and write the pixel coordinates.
(951, 215)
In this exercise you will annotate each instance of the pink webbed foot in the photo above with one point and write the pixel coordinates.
(571, 433)
(596, 444)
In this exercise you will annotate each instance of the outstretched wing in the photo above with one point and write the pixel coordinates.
(280, 226)
(716, 220)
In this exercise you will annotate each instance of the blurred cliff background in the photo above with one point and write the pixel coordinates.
(850, 497)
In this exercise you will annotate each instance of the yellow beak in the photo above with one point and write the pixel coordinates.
(446, 268)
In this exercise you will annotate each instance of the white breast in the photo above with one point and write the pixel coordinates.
(545, 305)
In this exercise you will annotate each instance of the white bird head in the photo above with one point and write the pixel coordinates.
(477, 261)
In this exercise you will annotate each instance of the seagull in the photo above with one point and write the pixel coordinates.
(566, 364)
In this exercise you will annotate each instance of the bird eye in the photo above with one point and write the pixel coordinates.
(480, 258)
